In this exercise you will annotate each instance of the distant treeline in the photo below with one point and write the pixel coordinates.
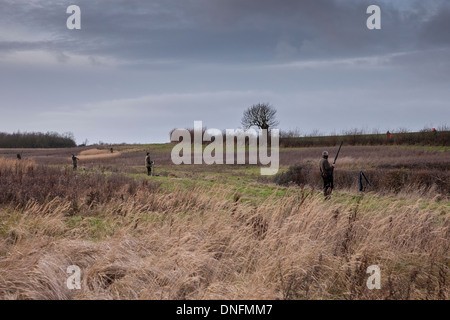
(292, 139)
(36, 140)
(432, 138)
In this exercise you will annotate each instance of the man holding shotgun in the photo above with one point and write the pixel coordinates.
(327, 170)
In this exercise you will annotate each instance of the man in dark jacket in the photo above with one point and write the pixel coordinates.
(75, 162)
(326, 170)
(148, 164)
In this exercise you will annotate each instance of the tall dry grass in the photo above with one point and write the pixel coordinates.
(204, 243)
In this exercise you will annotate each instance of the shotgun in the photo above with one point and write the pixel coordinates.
(335, 158)
(361, 186)
(337, 154)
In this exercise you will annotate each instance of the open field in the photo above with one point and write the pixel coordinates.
(223, 231)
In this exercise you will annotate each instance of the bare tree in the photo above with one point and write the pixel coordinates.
(261, 115)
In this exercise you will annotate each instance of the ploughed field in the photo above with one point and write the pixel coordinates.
(223, 231)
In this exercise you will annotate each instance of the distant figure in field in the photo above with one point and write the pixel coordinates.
(326, 170)
(19, 157)
(148, 164)
(75, 162)
(111, 150)
(388, 135)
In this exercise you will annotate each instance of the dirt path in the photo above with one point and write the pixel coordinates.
(94, 154)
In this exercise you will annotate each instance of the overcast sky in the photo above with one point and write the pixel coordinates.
(138, 69)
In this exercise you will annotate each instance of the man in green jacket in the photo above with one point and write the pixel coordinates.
(148, 164)
(326, 170)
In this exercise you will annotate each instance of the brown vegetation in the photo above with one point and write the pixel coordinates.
(133, 239)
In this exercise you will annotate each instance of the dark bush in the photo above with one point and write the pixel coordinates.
(295, 174)
(394, 180)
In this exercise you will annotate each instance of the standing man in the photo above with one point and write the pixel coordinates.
(326, 170)
(148, 164)
(75, 162)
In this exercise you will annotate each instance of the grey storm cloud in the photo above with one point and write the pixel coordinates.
(162, 64)
(229, 30)
(436, 31)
